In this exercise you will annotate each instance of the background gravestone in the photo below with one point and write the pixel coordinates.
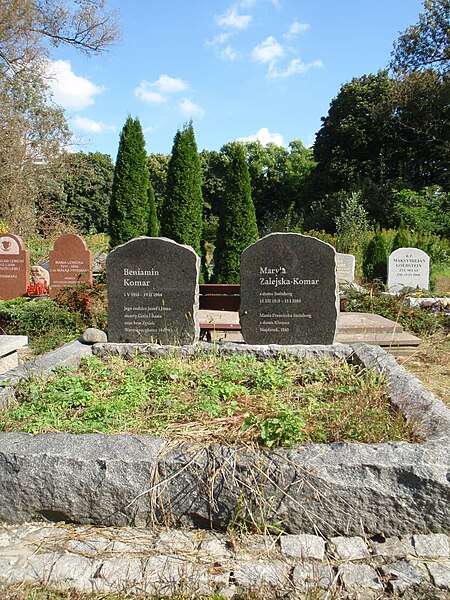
(289, 292)
(345, 267)
(14, 267)
(408, 268)
(153, 292)
(70, 263)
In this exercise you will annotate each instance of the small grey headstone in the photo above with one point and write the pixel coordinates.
(345, 267)
(408, 268)
(289, 291)
(153, 292)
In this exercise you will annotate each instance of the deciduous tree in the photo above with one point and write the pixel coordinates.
(33, 131)
(86, 186)
(425, 44)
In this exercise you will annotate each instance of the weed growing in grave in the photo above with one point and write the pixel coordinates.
(209, 398)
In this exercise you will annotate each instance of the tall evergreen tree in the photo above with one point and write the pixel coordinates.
(237, 221)
(402, 238)
(129, 208)
(376, 257)
(153, 225)
(182, 211)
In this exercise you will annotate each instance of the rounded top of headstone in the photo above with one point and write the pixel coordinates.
(10, 244)
(69, 240)
(417, 252)
(144, 239)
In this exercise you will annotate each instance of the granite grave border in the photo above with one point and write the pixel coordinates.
(338, 489)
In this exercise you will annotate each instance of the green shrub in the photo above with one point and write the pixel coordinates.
(375, 258)
(322, 235)
(402, 238)
(46, 324)
(87, 301)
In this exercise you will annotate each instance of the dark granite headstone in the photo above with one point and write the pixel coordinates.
(70, 263)
(289, 291)
(152, 292)
(14, 267)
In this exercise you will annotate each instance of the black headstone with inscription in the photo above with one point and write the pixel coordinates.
(152, 292)
(289, 291)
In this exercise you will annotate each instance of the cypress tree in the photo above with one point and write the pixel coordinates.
(129, 208)
(153, 225)
(402, 238)
(182, 211)
(237, 221)
(375, 257)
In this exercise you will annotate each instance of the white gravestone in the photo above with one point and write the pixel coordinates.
(345, 267)
(408, 268)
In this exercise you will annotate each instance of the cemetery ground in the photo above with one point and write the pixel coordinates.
(229, 393)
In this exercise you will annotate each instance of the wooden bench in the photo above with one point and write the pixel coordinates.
(218, 297)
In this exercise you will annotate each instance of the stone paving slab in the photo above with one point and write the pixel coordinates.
(168, 562)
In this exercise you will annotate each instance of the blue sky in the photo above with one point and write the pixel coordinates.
(265, 69)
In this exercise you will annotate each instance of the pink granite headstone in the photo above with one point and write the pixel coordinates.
(14, 267)
(70, 263)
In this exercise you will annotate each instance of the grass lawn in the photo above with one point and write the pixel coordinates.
(235, 399)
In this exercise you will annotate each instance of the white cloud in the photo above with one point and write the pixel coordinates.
(190, 109)
(297, 28)
(169, 85)
(232, 19)
(295, 67)
(156, 92)
(219, 39)
(264, 136)
(70, 91)
(145, 93)
(90, 126)
(268, 51)
(229, 54)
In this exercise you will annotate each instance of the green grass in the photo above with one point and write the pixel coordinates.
(208, 398)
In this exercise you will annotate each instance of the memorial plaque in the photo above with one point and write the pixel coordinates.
(408, 268)
(14, 267)
(153, 292)
(289, 291)
(70, 263)
(345, 267)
